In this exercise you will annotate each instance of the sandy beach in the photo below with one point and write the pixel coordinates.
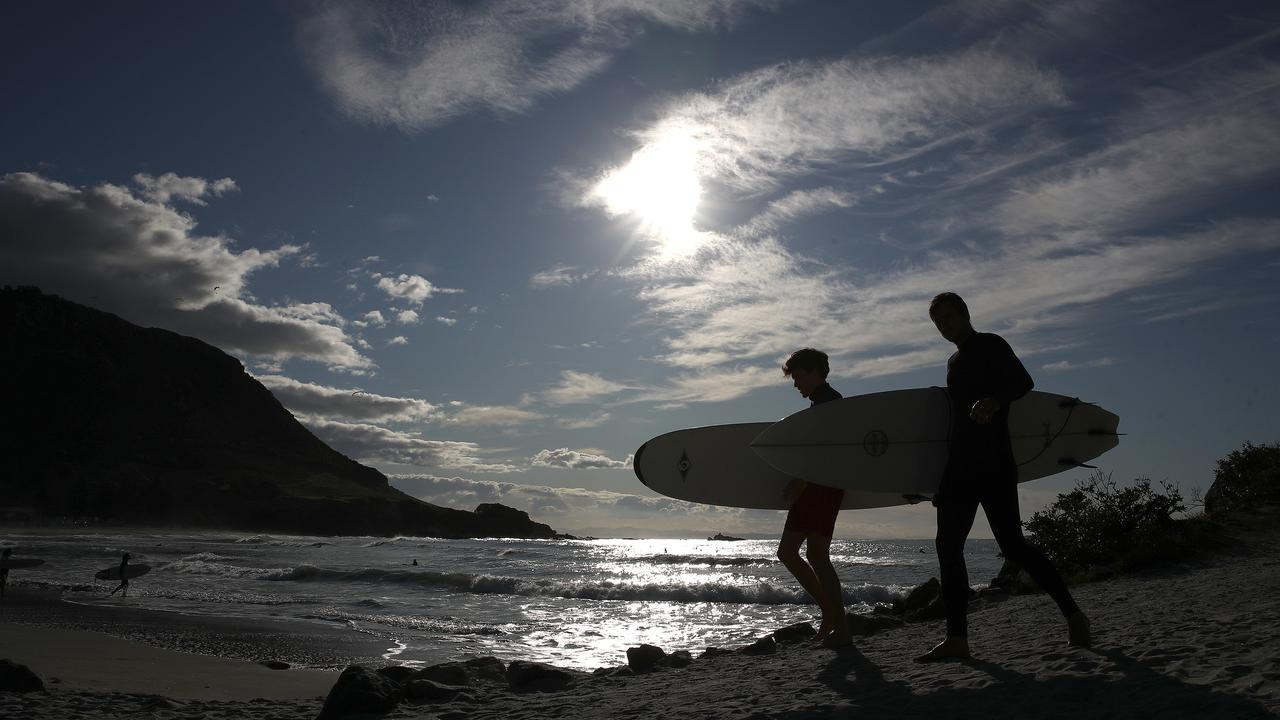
(1201, 639)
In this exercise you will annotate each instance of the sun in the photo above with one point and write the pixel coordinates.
(661, 188)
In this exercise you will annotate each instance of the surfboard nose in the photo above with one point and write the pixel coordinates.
(635, 464)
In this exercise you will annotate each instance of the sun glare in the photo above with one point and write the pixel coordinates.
(660, 187)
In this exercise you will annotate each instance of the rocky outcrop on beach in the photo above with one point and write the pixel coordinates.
(108, 422)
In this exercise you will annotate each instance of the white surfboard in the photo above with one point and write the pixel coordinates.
(897, 441)
(131, 572)
(715, 465)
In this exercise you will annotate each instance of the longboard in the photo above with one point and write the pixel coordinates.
(898, 441)
(715, 465)
(131, 572)
(14, 563)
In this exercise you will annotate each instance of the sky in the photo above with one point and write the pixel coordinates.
(491, 248)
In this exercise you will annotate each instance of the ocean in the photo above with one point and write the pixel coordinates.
(573, 603)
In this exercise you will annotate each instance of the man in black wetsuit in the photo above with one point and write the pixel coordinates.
(983, 378)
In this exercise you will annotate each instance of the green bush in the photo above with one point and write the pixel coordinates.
(1100, 523)
(1245, 478)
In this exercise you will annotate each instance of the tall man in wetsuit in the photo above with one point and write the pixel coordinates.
(812, 517)
(983, 378)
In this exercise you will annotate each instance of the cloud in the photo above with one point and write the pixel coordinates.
(398, 340)
(1066, 365)
(446, 320)
(579, 387)
(121, 251)
(1153, 177)
(407, 317)
(170, 186)
(415, 66)
(494, 416)
(557, 276)
(311, 399)
(797, 204)
(577, 459)
(413, 288)
(374, 444)
(373, 317)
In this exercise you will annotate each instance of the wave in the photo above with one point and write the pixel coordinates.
(710, 560)
(445, 625)
(267, 540)
(754, 594)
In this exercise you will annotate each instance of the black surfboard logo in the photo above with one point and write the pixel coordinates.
(876, 443)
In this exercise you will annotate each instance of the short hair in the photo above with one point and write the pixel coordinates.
(949, 298)
(807, 359)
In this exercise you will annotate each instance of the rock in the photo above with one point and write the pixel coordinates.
(1007, 576)
(680, 658)
(360, 691)
(486, 668)
(793, 633)
(399, 674)
(764, 646)
(18, 678)
(712, 652)
(872, 624)
(432, 691)
(883, 609)
(524, 676)
(921, 595)
(645, 657)
(453, 673)
(619, 671)
(275, 664)
(936, 609)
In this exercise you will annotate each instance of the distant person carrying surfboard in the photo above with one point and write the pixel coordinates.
(983, 378)
(812, 517)
(124, 577)
(4, 569)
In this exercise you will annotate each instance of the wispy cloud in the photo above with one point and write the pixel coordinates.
(577, 459)
(414, 288)
(313, 399)
(418, 65)
(1066, 365)
(494, 416)
(557, 276)
(370, 443)
(579, 387)
(171, 186)
(126, 251)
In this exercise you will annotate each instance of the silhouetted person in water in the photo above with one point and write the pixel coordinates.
(4, 572)
(983, 377)
(812, 515)
(124, 578)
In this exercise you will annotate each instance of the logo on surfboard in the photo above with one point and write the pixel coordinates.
(876, 443)
(684, 464)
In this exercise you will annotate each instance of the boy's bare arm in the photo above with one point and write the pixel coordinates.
(793, 490)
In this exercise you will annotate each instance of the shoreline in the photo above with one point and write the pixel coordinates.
(1201, 639)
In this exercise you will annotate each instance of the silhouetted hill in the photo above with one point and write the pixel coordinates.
(109, 422)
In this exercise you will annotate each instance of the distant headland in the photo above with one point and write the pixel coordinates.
(109, 423)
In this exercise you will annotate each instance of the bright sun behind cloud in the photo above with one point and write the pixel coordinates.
(660, 187)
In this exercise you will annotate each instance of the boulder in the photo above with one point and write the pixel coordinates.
(794, 633)
(452, 673)
(872, 623)
(935, 610)
(275, 664)
(486, 668)
(399, 674)
(645, 657)
(712, 652)
(1007, 576)
(680, 658)
(360, 691)
(18, 678)
(432, 691)
(525, 676)
(764, 646)
(921, 595)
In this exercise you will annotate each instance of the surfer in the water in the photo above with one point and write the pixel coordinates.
(983, 378)
(812, 517)
(124, 577)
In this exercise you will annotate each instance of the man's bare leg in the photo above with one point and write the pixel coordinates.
(819, 555)
(789, 554)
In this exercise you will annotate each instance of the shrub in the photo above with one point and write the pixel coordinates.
(1100, 523)
(1245, 478)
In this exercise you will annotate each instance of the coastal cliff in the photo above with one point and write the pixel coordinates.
(109, 422)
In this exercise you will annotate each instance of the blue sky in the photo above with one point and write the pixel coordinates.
(491, 248)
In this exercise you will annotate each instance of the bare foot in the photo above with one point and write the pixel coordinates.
(1078, 629)
(839, 637)
(953, 648)
(826, 629)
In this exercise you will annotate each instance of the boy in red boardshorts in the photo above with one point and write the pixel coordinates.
(812, 518)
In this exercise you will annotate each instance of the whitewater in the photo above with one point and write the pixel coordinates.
(574, 603)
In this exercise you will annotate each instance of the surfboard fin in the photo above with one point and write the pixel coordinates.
(1072, 462)
(913, 499)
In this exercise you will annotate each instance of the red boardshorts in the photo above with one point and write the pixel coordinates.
(814, 512)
